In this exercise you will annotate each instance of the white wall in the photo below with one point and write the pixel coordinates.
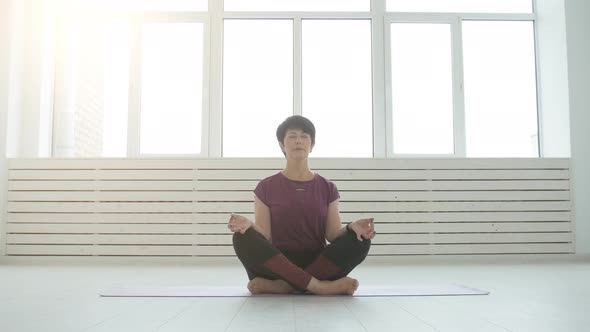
(554, 123)
(4, 101)
(578, 47)
(25, 71)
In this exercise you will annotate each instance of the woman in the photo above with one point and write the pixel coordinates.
(296, 211)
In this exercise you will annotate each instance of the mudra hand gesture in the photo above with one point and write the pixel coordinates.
(238, 223)
(363, 228)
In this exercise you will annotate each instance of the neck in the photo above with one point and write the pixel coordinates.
(298, 170)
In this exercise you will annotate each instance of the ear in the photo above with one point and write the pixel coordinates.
(282, 147)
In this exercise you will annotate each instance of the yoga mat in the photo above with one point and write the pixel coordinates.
(362, 291)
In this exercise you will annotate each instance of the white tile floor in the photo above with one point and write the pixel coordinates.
(527, 294)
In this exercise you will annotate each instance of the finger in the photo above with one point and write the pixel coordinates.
(359, 236)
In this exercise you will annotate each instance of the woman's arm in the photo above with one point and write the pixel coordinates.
(334, 227)
(363, 228)
(262, 218)
(238, 223)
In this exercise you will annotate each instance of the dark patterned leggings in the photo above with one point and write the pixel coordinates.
(262, 259)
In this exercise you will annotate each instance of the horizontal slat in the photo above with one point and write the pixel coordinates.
(278, 163)
(471, 249)
(116, 174)
(248, 174)
(393, 185)
(456, 238)
(482, 227)
(247, 196)
(102, 163)
(85, 185)
(417, 196)
(120, 239)
(335, 175)
(453, 206)
(241, 207)
(249, 185)
(226, 239)
(442, 249)
(105, 217)
(131, 196)
(117, 228)
(221, 228)
(400, 217)
(114, 250)
(379, 185)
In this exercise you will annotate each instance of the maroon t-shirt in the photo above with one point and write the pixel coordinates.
(298, 210)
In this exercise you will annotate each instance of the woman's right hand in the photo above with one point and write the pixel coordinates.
(238, 223)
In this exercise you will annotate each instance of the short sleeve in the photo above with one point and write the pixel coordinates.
(261, 191)
(333, 194)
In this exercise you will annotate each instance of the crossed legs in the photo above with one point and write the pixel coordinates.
(271, 271)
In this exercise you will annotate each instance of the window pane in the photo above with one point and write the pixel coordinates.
(171, 99)
(91, 90)
(421, 88)
(116, 87)
(336, 86)
(257, 85)
(461, 6)
(88, 90)
(297, 5)
(500, 89)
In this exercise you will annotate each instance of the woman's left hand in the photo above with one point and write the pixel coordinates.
(363, 228)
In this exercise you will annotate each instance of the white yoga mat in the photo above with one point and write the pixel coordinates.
(362, 291)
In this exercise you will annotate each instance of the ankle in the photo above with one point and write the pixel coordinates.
(314, 286)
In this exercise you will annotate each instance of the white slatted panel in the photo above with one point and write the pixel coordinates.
(158, 207)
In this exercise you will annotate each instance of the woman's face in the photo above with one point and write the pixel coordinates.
(296, 144)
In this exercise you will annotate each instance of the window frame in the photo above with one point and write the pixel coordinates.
(455, 20)
(297, 18)
(135, 76)
(212, 94)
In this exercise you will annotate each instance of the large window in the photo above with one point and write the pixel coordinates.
(500, 90)
(116, 89)
(379, 78)
(127, 85)
(90, 102)
(421, 88)
(171, 88)
(336, 86)
(257, 85)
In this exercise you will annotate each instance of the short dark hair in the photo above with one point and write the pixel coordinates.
(296, 122)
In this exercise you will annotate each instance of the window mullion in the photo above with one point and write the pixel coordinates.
(381, 129)
(205, 109)
(297, 67)
(458, 89)
(134, 120)
(214, 110)
(387, 49)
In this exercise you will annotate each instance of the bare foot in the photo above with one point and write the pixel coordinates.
(264, 286)
(342, 286)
